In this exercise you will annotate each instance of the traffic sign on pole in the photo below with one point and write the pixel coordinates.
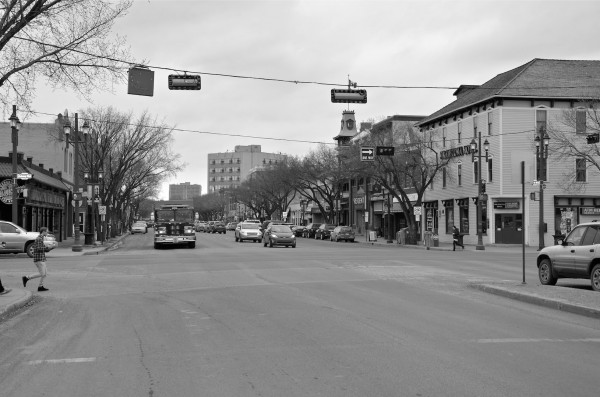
(367, 154)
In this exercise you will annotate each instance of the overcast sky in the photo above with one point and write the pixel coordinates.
(376, 43)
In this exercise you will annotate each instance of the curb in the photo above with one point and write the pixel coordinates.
(538, 300)
(16, 305)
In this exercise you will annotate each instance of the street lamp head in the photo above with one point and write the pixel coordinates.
(85, 128)
(100, 174)
(537, 141)
(14, 120)
(86, 175)
(486, 145)
(546, 139)
(473, 145)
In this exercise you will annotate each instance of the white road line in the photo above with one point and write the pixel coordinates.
(63, 361)
(536, 340)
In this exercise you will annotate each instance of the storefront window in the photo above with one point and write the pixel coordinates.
(449, 219)
(464, 219)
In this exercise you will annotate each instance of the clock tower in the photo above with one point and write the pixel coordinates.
(348, 128)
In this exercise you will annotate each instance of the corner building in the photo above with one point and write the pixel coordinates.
(510, 111)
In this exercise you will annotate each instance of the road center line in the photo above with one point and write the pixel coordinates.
(536, 340)
(63, 361)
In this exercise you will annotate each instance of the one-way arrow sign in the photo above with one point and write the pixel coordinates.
(367, 153)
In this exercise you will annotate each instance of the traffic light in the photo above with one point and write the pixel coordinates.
(593, 138)
(348, 96)
(184, 82)
(385, 150)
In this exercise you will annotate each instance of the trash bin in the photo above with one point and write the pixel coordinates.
(427, 239)
(436, 240)
(401, 236)
(372, 235)
(89, 238)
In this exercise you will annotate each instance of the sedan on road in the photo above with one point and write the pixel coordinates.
(248, 231)
(139, 227)
(342, 233)
(310, 229)
(14, 239)
(279, 235)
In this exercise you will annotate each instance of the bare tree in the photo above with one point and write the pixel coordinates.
(135, 156)
(66, 42)
(320, 175)
(410, 171)
(566, 145)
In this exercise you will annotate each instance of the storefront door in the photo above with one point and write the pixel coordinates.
(509, 228)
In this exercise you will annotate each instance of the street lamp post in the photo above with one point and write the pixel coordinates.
(541, 154)
(93, 176)
(475, 148)
(77, 247)
(390, 238)
(303, 207)
(15, 124)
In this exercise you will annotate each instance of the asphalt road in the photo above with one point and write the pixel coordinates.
(323, 319)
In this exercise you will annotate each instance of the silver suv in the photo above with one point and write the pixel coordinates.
(577, 256)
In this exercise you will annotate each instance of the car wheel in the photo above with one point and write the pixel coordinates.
(293, 245)
(193, 245)
(545, 273)
(595, 277)
(29, 250)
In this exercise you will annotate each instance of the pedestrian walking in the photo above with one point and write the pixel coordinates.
(3, 291)
(39, 258)
(456, 238)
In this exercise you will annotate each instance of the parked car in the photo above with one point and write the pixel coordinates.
(218, 227)
(345, 233)
(248, 231)
(324, 231)
(310, 230)
(298, 230)
(139, 227)
(231, 226)
(14, 239)
(576, 256)
(279, 235)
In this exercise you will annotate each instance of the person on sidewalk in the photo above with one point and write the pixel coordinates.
(4, 291)
(39, 258)
(456, 238)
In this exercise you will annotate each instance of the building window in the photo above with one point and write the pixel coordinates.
(459, 130)
(489, 167)
(212, 162)
(459, 173)
(540, 121)
(444, 177)
(580, 170)
(444, 137)
(489, 123)
(476, 171)
(580, 121)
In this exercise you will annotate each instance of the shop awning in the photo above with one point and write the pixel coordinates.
(46, 179)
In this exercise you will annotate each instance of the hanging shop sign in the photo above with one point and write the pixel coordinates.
(455, 152)
(6, 188)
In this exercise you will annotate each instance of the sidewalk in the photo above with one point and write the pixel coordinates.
(443, 246)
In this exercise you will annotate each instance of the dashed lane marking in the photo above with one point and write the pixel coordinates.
(63, 361)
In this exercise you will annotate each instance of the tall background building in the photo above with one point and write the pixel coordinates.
(184, 191)
(230, 169)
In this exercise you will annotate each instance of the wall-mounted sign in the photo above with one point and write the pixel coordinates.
(506, 205)
(589, 211)
(359, 200)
